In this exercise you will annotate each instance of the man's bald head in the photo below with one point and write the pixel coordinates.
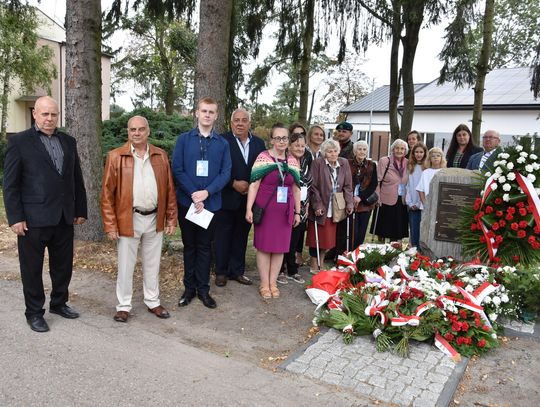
(46, 114)
(138, 118)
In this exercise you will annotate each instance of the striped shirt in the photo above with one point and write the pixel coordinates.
(54, 148)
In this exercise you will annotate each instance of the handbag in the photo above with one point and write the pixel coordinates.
(338, 207)
(373, 198)
(258, 212)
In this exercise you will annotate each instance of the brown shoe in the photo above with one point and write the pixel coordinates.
(242, 280)
(159, 312)
(221, 280)
(121, 316)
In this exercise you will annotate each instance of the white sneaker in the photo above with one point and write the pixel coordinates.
(297, 277)
(313, 271)
(282, 279)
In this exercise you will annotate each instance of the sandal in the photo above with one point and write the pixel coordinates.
(265, 292)
(275, 291)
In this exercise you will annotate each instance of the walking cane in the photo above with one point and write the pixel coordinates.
(353, 229)
(348, 231)
(317, 243)
(375, 224)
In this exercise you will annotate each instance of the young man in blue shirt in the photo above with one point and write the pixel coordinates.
(202, 168)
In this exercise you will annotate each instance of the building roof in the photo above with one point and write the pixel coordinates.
(505, 89)
(378, 100)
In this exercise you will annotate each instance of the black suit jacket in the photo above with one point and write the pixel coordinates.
(34, 191)
(232, 200)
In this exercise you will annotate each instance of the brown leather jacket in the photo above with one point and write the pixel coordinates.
(117, 190)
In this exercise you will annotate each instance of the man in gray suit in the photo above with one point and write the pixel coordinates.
(484, 160)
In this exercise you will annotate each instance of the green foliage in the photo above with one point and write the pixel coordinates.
(160, 60)
(523, 287)
(20, 56)
(164, 129)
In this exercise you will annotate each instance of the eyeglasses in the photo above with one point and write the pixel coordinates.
(301, 133)
(281, 139)
(489, 138)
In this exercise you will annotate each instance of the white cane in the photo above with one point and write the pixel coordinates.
(317, 244)
(375, 224)
(348, 233)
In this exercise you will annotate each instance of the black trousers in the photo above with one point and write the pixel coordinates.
(197, 244)
(290, 258)
(59, 243)
(341, 239)
(230, 242)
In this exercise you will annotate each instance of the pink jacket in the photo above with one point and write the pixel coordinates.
(388, 191)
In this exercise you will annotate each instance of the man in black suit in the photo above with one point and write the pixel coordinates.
(484, 160)
(44, 197)
(232, 230)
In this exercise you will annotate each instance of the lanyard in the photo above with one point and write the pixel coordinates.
(280, 169)
(333, 177)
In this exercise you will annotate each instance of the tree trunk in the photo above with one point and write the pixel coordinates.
(4, 103)
(83, 101)
(211, 71)
(307, 45)
(413, 13)
(393, 97)
(482, 69)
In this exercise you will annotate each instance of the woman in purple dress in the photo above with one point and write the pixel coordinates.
(275, 180)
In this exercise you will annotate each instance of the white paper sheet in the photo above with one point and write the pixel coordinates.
(201, 219)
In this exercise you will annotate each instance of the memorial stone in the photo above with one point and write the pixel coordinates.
(450, 190)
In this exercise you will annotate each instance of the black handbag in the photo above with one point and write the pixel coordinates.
(373, 198)
(258, 212)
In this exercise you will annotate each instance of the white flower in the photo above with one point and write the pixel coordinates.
(506, 187)
(499, 170)
(496, 301)
(493, 186)
(502, 179)
(473, 281)
(531, 177)
(506, 197)
(511, 176)
(495, 176)
(469, 288)
(505, 156)
(519, 147)
(536, 166)
(502, 162)
(529, 168)
(488, 174)
(533, 156)
(523, 154)
(492, 316)
(521, 160)
(510, 166)
(487, 300)
(504, 298)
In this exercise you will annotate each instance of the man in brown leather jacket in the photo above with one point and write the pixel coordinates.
(138, 203)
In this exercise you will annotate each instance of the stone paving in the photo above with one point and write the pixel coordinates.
(426, 378)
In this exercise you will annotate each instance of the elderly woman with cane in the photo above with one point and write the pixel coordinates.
(331, 200)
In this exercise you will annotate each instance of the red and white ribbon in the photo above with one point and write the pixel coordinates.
(377, 305)
(532, 197)
(446, 348)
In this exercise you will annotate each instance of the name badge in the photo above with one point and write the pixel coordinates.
(202, 168)
(401, 190)
(303, 193)
(282, 194)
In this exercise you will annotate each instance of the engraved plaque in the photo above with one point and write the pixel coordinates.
(452, 198)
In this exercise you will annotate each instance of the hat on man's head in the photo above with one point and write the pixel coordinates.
(344, 126)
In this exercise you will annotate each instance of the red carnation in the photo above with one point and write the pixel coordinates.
(463, 313)
(514, 226)
(520, 204)
(489, 209)
(521, 234)
(495, 226)
(537, 230)
(531, 239)
(511, 210)
(440, 276)
(502, 223)
(523, 211)
(522, 224)
(498, 201)
(467, 341)
(448, 336)
(486, 328)
(509, 217)
(481, 343)
(477, 322)
(482, 239)
(529, 209)
(477, 203)
(459, 283)
(456, 326)
(460, 340)
(436, 265)
(498, 239)
(464, 326)
(499, 214)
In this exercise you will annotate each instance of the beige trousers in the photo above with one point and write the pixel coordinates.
(144, 228)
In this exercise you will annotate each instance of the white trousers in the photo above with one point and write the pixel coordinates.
(144, 228)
